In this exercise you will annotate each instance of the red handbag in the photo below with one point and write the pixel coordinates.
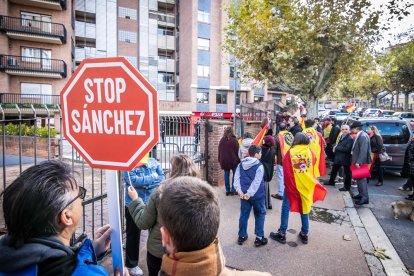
(361, 172)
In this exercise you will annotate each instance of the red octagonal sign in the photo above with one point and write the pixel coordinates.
(110, 113)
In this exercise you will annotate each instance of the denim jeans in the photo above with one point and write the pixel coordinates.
(284, 218)
(227, 180)
(280, 181)
(259, 211)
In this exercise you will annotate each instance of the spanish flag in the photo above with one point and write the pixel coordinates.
(143, 161)
(350, 108)
(302, 188)
(285, 141)
(258, 140)
(302, 122)
(317, 145)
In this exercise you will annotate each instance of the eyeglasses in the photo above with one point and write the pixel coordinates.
(81, 195)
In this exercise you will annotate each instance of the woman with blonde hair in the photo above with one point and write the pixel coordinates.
(146, 216)
(377, 147)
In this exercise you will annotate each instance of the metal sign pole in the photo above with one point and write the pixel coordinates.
(112, 186)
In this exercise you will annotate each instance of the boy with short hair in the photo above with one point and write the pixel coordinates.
(249, 184)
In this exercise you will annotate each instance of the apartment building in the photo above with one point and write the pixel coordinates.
(175, 44)
(35, 49)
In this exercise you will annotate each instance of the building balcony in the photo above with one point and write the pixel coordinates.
(28, 99)
(57, 5)
(33, 30)
(166, 42)
(166, 65)
(85, 30)
(33, 67)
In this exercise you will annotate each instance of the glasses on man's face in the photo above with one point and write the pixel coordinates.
(344, 129)
(81, 195)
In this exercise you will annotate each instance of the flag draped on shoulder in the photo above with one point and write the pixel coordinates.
(316, 143)
(285, 141)
(302, 188)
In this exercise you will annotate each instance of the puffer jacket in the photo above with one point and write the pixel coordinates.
(244, 147)
(49, 256)
(143, 180)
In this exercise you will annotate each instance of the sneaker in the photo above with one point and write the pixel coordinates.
(410, 197)
(404, 188)
(357, 197)
(241, 240)
(260, 241)
(135, 271)
(343, 189)
(278, 237)
(277, 196)
(303, 237)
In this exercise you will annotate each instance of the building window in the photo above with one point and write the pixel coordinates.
(203, 44)
(203, 71)
(258, 99)
(37, 55)
(133, 60)
(221, 98)
(165, 31)
(202, 97)
(276, 97)
(126, 36)
(238, 98)
(167, 78)
(38, 89)
(203, 17)
(45, 24)
(127, 13)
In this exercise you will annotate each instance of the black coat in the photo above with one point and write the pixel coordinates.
(343, 151)
(377, 144)
(295, 129)
(268, 160)
(410, 151)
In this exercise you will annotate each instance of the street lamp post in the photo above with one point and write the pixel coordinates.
(235, 97)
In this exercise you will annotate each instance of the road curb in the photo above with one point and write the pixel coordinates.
(370, 235)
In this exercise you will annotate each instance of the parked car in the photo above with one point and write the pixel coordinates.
(331, 113)
(361, 110)
(408, 116)
(371, 112)
(342, 116)
(321, 111)
(396, 134)
(388, 113)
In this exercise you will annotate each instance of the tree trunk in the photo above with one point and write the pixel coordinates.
(392, 100)
(375, 101)
(407, 95)
(312, 107)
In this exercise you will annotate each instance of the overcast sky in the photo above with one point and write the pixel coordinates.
(397, 27)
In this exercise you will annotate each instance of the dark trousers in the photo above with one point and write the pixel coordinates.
(347, 178)
(410, 182)
(380, 171)
(154, 264)
(133, 235)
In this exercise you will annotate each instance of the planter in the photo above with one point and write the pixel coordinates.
(28, 146)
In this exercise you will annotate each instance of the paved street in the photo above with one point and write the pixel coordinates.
(401, 231)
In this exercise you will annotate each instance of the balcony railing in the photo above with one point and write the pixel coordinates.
(45, 4)
(29, 99)
(32, 27)
(47, 67)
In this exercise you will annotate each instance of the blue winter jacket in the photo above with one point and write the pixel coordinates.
(25, 260)
(143, 180)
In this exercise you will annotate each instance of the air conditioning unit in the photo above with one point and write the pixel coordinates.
(12, 61)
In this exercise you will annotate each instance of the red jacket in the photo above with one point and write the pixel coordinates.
(228, 150)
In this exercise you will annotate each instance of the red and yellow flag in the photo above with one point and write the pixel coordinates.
(258, 140)
(317, 145)
(302, 188)
(302, 122)
(350, 108)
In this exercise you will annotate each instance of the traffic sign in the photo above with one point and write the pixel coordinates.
(110, 113)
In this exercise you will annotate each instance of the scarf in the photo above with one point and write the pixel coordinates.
(208, 261)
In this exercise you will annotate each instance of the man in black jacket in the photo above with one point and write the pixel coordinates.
(343, 158)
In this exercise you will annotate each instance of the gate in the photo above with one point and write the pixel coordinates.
(31, 134)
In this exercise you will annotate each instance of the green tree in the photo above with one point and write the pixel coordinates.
(302, 46)
(398, 66)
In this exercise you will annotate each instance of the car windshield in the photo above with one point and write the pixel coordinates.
(392, 132)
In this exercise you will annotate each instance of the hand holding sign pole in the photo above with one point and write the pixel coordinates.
(110, 116)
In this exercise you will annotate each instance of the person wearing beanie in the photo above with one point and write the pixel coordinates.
(268, 161)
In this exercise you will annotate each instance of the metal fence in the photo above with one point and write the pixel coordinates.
(31, 135)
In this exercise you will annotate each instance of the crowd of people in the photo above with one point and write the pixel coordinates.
(352, 152)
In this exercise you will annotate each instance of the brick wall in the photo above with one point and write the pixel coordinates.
(12, 146)
(215, 173)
